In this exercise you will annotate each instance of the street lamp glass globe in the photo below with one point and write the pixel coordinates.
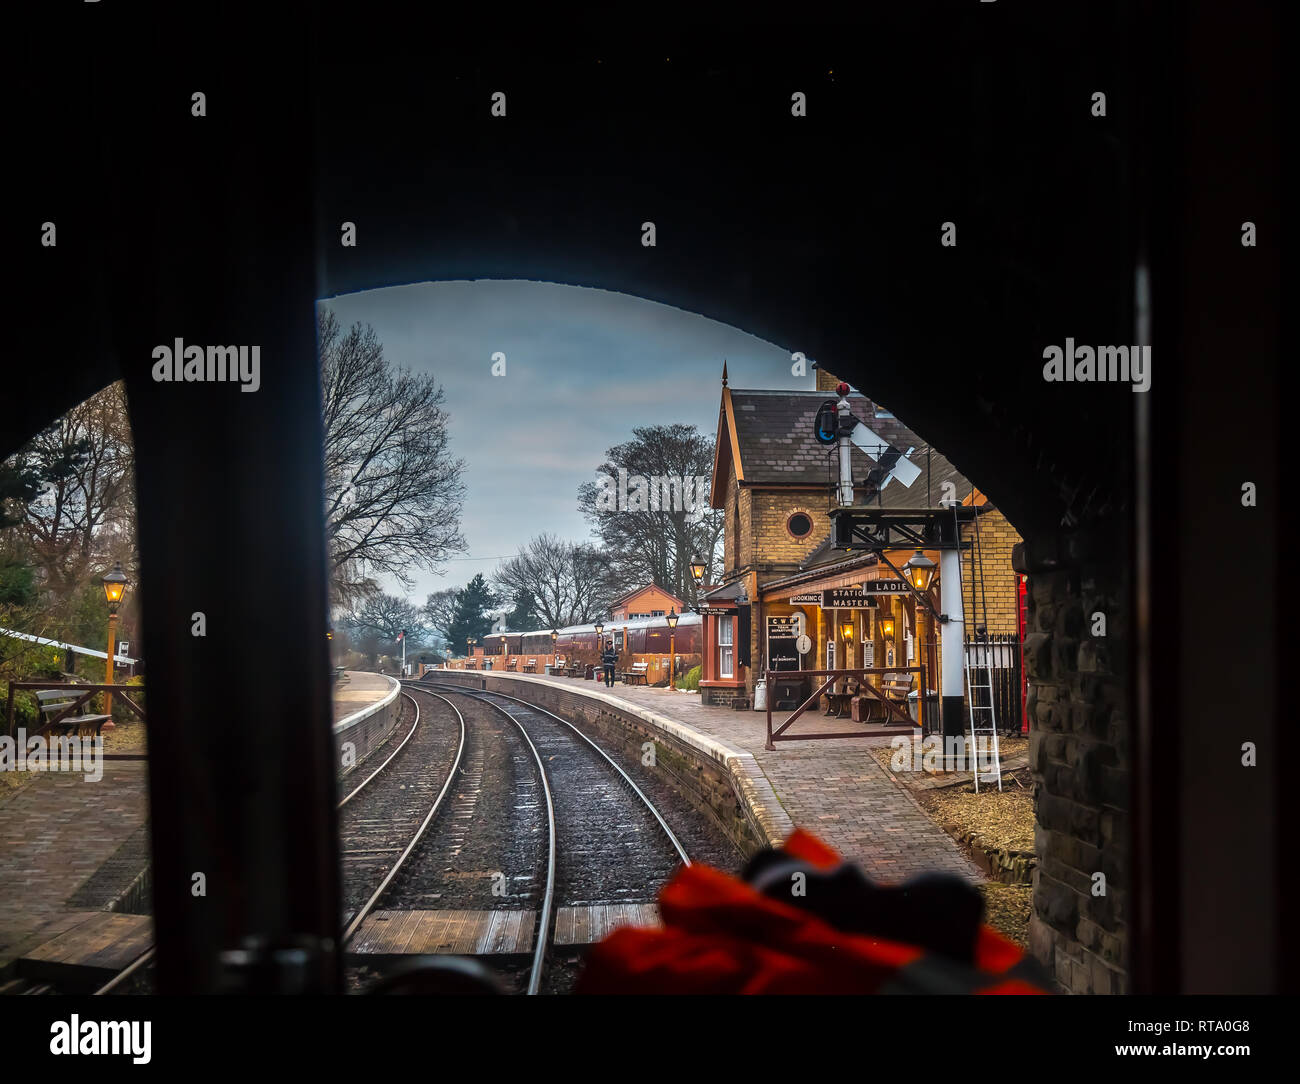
(115, 585)
(698, 568)
(672, 618)
(920, 571)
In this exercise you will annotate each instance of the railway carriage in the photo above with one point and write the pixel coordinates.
(642, 639)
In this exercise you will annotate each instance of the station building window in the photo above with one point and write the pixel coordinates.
(799, 524)
(726, 648)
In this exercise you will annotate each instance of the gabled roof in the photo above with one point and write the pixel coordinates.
(770, 436)
(648, 587)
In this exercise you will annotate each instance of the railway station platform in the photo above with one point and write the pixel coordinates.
(69, 845)
(360, 691)
(71, 848)
(833, 788)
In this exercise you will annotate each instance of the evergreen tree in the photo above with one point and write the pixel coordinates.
(470, 614)
(523, 618)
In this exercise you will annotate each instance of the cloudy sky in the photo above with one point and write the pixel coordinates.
(583, 367)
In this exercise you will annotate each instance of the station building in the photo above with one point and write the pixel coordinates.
(647, 601)
(776, 485)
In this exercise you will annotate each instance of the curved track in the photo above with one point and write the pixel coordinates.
(376, 835)
(612, 845)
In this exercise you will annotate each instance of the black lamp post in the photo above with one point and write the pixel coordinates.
(672, 619)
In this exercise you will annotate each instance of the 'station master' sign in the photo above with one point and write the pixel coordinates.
(853, 598)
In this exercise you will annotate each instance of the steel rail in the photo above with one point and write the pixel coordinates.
(394, 753)
(144, 958)
(626, 778)
(368, 906)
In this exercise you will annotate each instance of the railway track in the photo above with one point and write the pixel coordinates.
(377, 832)
(523, 821)
(608, 846)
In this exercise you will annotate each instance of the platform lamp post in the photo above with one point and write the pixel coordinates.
(114, 588)
(600, 646)
(920, 571)
(698, 569)
(887, 630)
(470, 641)
(672, 619)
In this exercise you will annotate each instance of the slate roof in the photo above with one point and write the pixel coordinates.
(774, 433)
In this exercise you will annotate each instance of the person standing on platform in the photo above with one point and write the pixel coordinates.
(608, 660)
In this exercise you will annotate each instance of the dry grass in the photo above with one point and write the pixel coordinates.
(1007, 909)
(1001, 819)
(128, 737)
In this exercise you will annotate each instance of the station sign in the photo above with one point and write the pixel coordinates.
(848, 598)
(811, 598)
(782, 643)
(716, 611)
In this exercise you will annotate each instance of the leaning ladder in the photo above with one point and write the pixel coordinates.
(977, 708)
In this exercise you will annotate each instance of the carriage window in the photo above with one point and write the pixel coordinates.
(726, 648)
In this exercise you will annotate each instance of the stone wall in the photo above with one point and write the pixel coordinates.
(1079, 755)
(366, 730)
(710, 778)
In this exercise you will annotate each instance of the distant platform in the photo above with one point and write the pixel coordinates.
(360, 691)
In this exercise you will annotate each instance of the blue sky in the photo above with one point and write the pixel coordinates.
(583, 367)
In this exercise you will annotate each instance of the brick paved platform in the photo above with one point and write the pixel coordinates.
(833, 788)
(55, 835)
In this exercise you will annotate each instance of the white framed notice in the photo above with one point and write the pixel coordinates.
(830, 654)
(868, 654)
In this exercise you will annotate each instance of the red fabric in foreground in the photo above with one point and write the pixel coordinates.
(720, 936)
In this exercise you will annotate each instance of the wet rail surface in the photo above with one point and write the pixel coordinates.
(614, 844)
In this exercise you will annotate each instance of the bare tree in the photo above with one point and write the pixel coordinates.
(393, 492)
(656, 544)
(386, 616)
(83, 517)
(439, 612)
(569, 582)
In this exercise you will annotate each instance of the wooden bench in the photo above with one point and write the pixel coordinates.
(638, 675)
(895, 688)
(840, 704)
(530, 667)
(57, 707)
(513, 664)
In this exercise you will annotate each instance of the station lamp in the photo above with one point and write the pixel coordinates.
(886, 627)
(600, 629)
(846, 629)
(672, 619)
(920, 571)
(115, 587)
(555, 635)
(698, 568)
